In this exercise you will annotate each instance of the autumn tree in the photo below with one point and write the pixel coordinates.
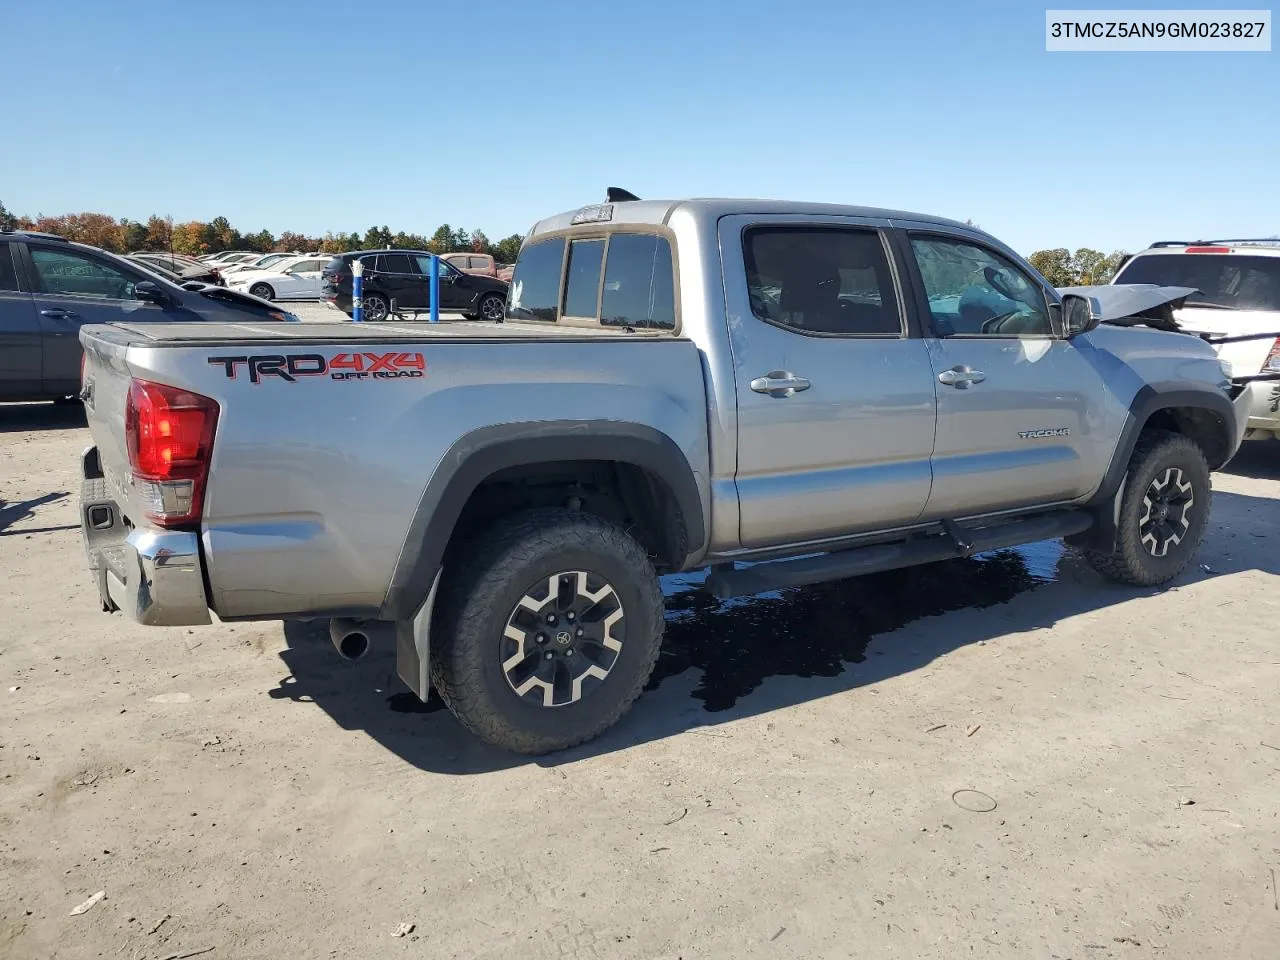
(192, 238)
(225, 237)
(133, 235)
(159, 232)
(7, 220)
(1054, 265)
(479, 242)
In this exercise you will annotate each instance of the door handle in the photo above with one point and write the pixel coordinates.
(961, 377)
(57, 313)
(779, 383)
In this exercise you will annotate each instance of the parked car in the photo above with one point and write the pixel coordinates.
(505, 271)
(258, 263)
(296, 278)
(476, 264)
(223, 255)
(403, 276)
(50, 288)
(179, 270)
(1236, 294)
(496, 502)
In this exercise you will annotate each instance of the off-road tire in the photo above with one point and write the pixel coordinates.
(1131, 561)
(482, 587)
(263, 290)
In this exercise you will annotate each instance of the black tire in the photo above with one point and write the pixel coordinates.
(262, 290)
(481, 601)
(1153, 547)
(376, 308)
(492, 307)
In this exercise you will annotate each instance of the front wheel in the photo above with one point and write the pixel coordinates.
(550, 628)
(263, 290)
(1163, 511)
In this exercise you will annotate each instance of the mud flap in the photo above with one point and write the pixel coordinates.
(413, 646)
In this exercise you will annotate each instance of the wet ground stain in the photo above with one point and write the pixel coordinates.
(814, 631)
(817, 631)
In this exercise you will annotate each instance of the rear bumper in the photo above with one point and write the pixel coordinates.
(153, 576)
(1260, 403)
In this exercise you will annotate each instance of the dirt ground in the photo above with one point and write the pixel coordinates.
(1002, 757)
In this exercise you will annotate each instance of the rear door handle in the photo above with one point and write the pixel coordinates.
(779, 383)
(57, 313)
(961, 377)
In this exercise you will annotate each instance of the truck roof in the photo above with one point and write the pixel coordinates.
(713, 208)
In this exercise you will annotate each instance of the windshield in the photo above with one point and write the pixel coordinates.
(1235, 281)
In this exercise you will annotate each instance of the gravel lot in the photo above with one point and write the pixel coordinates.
(1001, 757)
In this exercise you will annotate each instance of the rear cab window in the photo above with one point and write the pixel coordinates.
(8, 269)
(1235, 281)
(621, 279)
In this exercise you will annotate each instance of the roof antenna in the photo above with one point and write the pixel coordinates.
(618, 195)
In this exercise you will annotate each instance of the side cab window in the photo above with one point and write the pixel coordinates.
(973, 291)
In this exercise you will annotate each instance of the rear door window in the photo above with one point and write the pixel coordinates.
(68, 272)
(535, 285)
(395, 263)
(821, 280)
(639, 290)
(1236, 281)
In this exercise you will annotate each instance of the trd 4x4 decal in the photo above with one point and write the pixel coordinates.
(343, 366)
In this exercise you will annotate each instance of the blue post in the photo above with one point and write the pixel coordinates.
(357, 290)
(435, 289)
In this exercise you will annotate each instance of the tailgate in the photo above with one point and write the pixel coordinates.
(105, 391)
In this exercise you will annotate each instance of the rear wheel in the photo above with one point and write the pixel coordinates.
(1163, 511)
(492, 307)
(550, 628)
(263, 290)
(376, 307)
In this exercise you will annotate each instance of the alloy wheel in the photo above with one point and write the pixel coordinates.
(563, 638)
(1166, 511)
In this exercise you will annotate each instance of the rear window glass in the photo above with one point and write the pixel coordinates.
(638, 286)
(334, 266)
(8, 275)
(582, 286)
(1238, 281)
(535, 285)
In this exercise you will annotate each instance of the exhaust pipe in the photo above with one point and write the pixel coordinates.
(351, 638)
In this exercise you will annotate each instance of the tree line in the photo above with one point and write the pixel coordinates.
(195, 237)
(1060, 266)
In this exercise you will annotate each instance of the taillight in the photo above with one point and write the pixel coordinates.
(1273, 358)
(169, 433)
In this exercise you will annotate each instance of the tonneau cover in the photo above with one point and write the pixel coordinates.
(196, 334)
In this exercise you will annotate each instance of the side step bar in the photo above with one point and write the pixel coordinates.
(958, 542)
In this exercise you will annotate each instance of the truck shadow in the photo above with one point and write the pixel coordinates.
(16, 417)
(721, 661)
(1259, 459)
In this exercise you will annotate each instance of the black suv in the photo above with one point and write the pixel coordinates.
(50, 288)
(405, 277)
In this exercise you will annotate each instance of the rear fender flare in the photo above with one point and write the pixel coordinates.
(481, 453)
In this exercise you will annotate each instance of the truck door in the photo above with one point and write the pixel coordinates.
(19, 334)
(1020, 409)
(836, 404)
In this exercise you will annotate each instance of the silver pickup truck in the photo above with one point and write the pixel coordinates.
(783, 393)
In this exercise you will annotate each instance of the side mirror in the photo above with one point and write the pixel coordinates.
(147, 290)
(1079, 314)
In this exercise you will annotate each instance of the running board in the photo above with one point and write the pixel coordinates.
(957, 542)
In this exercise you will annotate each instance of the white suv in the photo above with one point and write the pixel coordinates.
(1238, 295)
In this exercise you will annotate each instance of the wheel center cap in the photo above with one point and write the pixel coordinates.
(563, 638)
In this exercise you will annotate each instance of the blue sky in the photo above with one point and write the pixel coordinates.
(324, 115)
